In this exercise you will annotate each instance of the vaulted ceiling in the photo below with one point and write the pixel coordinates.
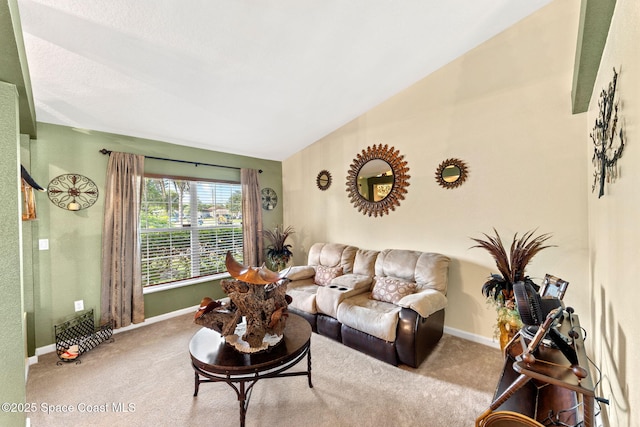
(263, 78)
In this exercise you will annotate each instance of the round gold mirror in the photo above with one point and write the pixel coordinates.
(377, 180)
(451, 173)
(323, 181)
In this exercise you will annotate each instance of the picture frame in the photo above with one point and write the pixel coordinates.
(553, 287)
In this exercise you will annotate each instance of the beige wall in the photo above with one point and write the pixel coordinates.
(505, 109)
(614, 230)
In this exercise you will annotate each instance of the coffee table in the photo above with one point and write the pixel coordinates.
(215, 361)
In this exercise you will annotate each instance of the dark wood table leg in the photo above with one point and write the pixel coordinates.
(195, 392)
(309, 366)
(243, 403)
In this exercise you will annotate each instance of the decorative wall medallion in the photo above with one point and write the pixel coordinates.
(607, 144)
(323, 181)
(72, 192)
(451, 173)
(269, 198)
(377, 180)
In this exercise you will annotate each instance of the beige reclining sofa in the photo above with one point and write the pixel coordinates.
(388, 304)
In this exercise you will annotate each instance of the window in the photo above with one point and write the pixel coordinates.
(186, 228)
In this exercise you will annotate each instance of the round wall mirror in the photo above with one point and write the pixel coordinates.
(451, 173)
(377, 180)
(323, 180)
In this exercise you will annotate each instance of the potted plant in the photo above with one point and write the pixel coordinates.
(278, 252)
(498, 289)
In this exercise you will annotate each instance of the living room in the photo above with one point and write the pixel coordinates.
(504, 108)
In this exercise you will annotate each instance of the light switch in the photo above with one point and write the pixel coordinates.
(79, 305)
(43, 244)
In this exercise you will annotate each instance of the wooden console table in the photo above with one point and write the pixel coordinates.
(216, 361)
(547, 390)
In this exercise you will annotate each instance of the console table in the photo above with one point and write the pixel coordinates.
(546, 390)
(215, 361)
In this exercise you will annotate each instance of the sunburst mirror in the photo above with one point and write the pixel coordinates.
(377, 180)
(323, 180)
(451, 173)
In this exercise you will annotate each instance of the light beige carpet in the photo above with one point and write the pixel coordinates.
(145, 378)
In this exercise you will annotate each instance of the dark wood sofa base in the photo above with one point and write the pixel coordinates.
(329, 327)
(311, 318)
(368, 344)
(415, 338)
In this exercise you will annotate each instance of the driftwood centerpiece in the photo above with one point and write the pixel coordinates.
(258, 296)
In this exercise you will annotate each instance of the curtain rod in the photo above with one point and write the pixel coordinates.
(108, 152)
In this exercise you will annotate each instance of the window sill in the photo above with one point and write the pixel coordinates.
(183, 283)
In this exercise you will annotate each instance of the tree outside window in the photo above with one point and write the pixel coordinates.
(187, 226)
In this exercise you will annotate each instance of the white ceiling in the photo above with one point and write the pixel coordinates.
(263, 78)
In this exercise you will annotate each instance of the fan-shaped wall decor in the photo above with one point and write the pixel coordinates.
(377, 180)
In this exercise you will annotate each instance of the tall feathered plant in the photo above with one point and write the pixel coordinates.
(511, 265)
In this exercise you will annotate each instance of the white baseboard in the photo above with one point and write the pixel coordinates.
(52, 347)
(471, 337)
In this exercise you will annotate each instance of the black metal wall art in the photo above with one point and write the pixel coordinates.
(608, 141)
(72, 192)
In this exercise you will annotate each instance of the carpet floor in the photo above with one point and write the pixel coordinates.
(144, 378)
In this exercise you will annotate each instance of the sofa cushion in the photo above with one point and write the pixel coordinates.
(364, 263)
(427, 270)
(353, 281)
(324, 275)
(303, 295)
(376, 318)
(391, 289)
(332, 255)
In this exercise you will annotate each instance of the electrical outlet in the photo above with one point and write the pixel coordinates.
(79, 305)
(43, 244)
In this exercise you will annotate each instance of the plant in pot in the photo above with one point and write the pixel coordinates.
(278, 251)
(498, 289)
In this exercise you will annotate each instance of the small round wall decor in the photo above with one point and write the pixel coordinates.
(72, 192)
(451, 173)
(269, 198)
(323, 181)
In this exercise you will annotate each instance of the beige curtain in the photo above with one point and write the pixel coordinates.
(251, 218)
(121, 293)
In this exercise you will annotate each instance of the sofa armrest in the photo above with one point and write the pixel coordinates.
(424, 302)
(301, 272)
(417, 336)
(329, 297)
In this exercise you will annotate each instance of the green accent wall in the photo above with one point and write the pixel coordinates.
(595, 20)
(29, 256)
(70, 269)
(12, 353)
(13, 64)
